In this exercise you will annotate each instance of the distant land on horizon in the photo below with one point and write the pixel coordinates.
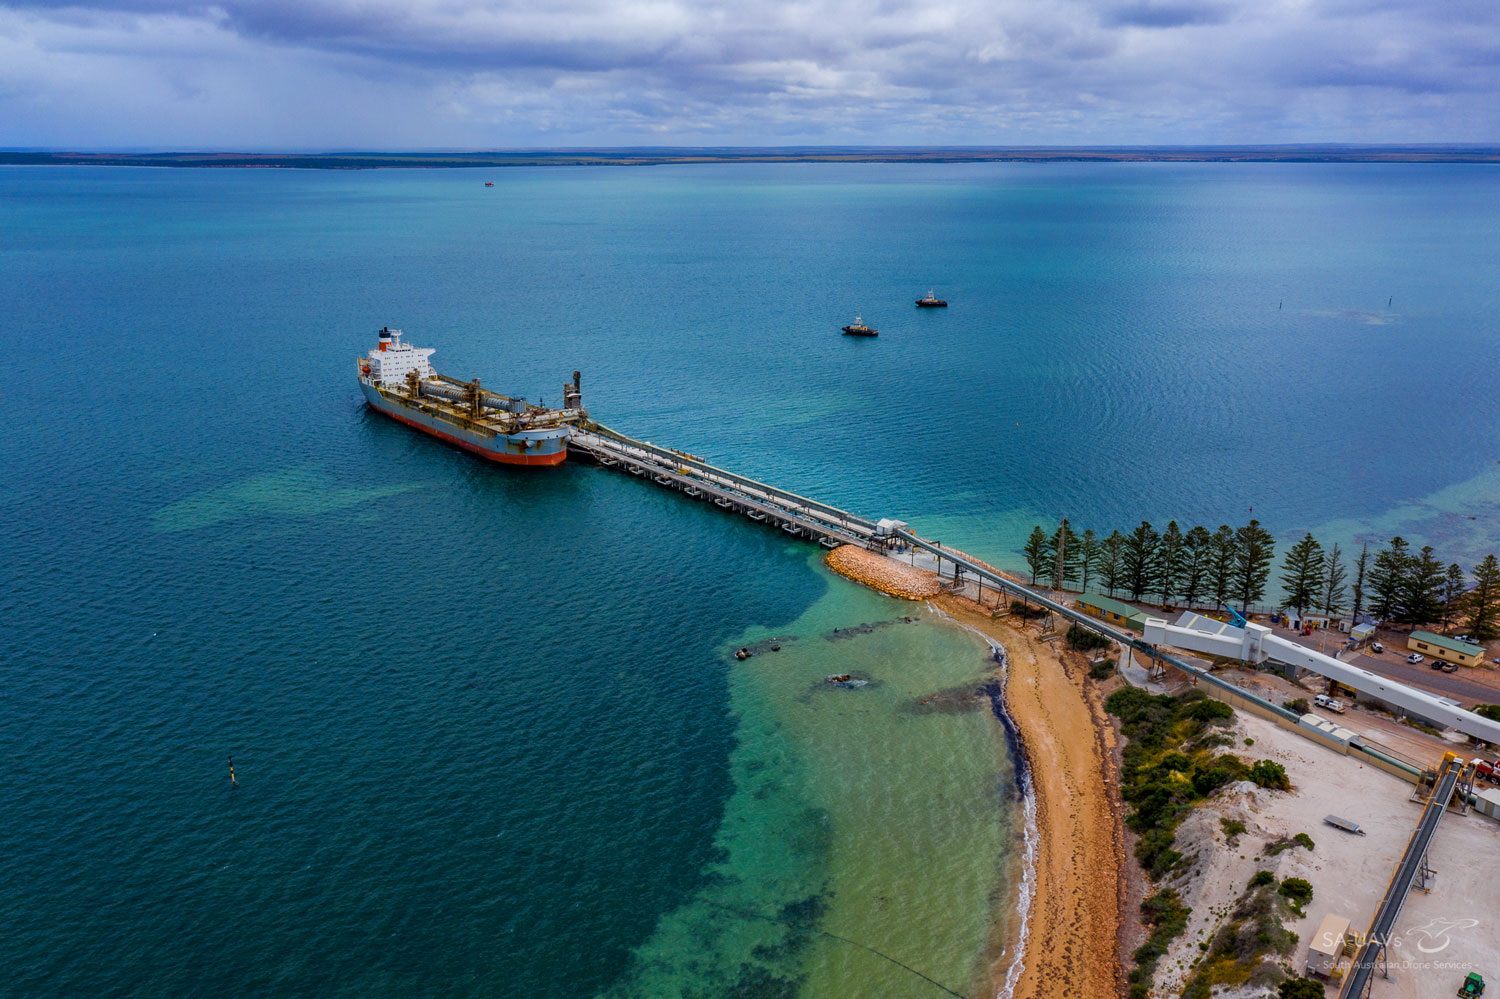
(652, 156)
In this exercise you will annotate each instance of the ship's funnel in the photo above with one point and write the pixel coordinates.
(385, 337)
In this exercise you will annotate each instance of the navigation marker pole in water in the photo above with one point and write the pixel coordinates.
(232, 781)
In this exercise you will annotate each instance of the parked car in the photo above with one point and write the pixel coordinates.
(1376, 647)
(1415, 658)
(1437, 664)
(1450, 667)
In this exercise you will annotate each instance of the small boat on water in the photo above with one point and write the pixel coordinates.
(858, 328)
(489, 183)
(931, 301)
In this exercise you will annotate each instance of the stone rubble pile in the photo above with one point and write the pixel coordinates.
(883, 574)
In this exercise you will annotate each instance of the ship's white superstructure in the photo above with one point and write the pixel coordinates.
(393, 360)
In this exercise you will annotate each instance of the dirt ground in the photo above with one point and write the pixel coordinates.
(1378, 728)
(1441, 936)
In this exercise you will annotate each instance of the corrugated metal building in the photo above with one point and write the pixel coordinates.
(1448, 649)
(1111, 610)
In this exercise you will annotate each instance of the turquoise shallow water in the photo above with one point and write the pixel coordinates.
(489, 736)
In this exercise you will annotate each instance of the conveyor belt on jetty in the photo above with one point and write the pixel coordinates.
(830, 526)
(695, 478)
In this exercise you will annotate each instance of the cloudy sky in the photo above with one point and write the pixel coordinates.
(389, 74)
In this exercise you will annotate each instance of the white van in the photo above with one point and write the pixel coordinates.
(1331, 704)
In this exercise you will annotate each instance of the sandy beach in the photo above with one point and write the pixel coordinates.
(1077, 891)
(1075, 909)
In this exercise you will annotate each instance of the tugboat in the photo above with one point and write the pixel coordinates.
(860, 329)
(931, 302)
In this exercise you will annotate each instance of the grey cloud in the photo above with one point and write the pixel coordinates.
(1167, 14)
(472, 72)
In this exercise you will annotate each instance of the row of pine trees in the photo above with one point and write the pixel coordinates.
(1232, 566)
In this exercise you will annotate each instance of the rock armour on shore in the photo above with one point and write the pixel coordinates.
(883, 574)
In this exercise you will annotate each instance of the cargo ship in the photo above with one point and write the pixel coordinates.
(399, 381)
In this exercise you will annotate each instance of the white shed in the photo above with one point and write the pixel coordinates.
(1327, 944)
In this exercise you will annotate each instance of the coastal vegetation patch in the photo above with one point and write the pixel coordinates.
(1284, 843)
(1249, 944)
(1167, 917)
(1172, 761)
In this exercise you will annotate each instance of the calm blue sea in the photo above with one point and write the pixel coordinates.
(481, 719)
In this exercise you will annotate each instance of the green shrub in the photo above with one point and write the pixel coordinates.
(1300, 988)
(1215, 740)
(1174, 761)
(1102, 670)
(1298, 705)
(1270, 774)
(1285, 843)
(1154, 851)
(1266, 975)
(1246, 947)
(1167, 917)
(1165, 910)
(1490, 711)
(1027, 611)
(1082, 639)
(1298, 892)
(1232, 829)
(1206, 782)
(1168, 763)
(1209, 711)
(1143, 717)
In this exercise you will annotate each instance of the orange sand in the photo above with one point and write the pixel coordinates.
(1078, 890)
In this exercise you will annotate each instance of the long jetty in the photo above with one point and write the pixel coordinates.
(831, 527)
(695, 478)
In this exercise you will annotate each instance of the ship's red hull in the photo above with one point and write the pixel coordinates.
(501, 458)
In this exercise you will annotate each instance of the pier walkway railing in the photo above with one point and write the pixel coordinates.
(830, 526)
(794, 514)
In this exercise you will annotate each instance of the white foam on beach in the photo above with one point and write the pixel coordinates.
(1023, 900)
(1029, 830)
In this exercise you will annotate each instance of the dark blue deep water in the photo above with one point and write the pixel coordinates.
(479, 717)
